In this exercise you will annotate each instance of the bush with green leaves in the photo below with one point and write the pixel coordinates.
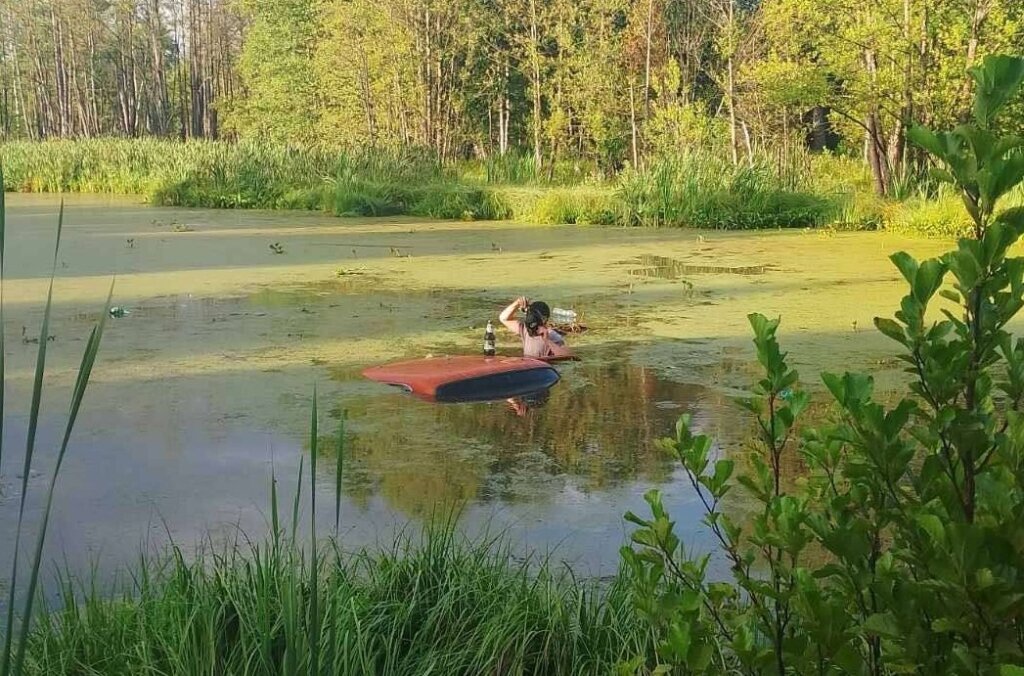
(901, 548)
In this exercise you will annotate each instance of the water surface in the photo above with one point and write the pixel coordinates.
(205, 387)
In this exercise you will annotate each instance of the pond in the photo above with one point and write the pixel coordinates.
(204, 388)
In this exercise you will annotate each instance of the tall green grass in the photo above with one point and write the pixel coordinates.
(940, 214)
(703, 192)
(687, 190)
(441, 605)
(580, 205)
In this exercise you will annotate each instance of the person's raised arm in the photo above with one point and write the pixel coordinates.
(506, 316)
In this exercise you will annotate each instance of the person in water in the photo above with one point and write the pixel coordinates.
(539, 341)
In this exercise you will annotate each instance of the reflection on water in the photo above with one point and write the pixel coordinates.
(597, 429)
(661, 267)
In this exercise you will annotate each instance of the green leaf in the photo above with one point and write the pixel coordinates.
(890, 328)
(981, 141)
(763, 327)
(928, 279)
(723, 471)
(700, 657)
(925, 138)
(1013, 218)
(689, 601)
(941, 175)
(679, 639)
(998, 78)
(634, 519)
(906, 265)
(965, 267)
(950, 295)
(834, 383)
(882, 624)
(946, 624)
(933, 526)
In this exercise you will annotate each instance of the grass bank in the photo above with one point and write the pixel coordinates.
(691, 191)
(443, 606)
(698, 190)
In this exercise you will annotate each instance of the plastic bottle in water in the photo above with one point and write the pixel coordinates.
(489, 349)
(561, 316)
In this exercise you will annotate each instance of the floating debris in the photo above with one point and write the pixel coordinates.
(277, 248)
(118, 311)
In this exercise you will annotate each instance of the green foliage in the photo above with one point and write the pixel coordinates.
(275, 66)
(703, 192)
(579, 205)
(901, 551)
(694, 191)
(682, 127)
(512, 168)
(442, 605)
(941, 216)
(688, 190)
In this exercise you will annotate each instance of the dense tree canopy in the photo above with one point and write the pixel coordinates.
(612, 82)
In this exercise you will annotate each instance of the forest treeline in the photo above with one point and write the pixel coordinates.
(611, 83)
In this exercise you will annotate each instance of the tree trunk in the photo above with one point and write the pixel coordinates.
(746, 140)
(632, 125)
(981, 8)
(184, 114)
(59, 75)
(732, 87)
(19, 88)
(160, 104)
(94, 112)
(647, 64)
(367, 96)
(876, 154)
(5, 107)
(535, 60)
(898, 139)
(80, 95)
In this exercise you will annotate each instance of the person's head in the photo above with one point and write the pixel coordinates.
(536, 316)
